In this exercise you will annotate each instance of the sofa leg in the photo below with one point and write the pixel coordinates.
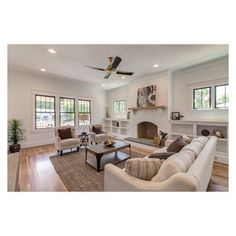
(77, 149)
(61, 153)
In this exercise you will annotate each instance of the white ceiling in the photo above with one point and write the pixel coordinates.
(70, 61)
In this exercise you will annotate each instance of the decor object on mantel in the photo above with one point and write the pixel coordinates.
(147, 108)
(146, 96)
(15, 134)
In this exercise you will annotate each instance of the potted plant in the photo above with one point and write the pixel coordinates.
(15, 134)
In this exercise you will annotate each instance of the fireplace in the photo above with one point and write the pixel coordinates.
(147, 130)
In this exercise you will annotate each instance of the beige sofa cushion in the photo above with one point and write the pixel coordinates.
(195, 147)
(69, 142)
(179, 162)
(202, 139)
(142, 168)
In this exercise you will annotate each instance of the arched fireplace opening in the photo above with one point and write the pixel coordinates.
(147, 130)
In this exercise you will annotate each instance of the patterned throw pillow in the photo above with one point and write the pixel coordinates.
(176, 145)
(143, 169)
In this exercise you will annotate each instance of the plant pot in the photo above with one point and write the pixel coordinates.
(14, 148)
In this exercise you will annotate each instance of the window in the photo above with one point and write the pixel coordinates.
(119, 106)
(84, 112)
(202, 98)
(221, 96)
(67, 111)
(44, 112)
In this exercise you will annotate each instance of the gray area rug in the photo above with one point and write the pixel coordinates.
(76, 175)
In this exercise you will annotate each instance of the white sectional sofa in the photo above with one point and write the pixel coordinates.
(188, 177)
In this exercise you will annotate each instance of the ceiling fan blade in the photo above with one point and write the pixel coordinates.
(107, 75)
(124, 72)
(115, 63)
(96, 68)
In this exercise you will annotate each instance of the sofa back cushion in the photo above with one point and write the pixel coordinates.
(202, 139)
(142, 168)
(195, 148)
(179, 162)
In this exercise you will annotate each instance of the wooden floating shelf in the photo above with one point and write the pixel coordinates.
(146, 108)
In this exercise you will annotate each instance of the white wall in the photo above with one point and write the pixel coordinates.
(211, 73)
(129, 92)
(116, 94)
(20, 101)
(157, 116)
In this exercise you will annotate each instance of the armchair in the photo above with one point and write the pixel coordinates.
(97, 135)
(65, 138)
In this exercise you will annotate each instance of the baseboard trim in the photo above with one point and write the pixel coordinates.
(37, 143)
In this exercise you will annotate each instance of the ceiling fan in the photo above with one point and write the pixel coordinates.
(111, 68)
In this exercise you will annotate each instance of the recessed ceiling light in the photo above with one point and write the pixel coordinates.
(103, 85)
(51, 51)
(122, 77)
(156, 65)
(42, 69)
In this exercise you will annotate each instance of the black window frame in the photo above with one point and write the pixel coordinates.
(65, 112)
(227, 84)
(35, 112)
(194, 98)
(90, 110)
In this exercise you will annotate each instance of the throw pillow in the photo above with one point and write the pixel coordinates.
(143, 169)
(97, 129)
(176, 145)
(161, 155)
(186, 138)
(65, 133)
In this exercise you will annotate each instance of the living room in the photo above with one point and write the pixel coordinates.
(60, 193)
(63, 73)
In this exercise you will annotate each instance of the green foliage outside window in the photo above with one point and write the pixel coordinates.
(119, 106)
(202, 98)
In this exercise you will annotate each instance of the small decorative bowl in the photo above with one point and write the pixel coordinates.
(109, 143)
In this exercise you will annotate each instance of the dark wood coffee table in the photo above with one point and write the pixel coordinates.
(104, 155)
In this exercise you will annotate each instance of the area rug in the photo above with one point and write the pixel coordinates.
(76, 175)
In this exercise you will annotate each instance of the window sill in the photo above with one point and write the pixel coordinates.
(211, 109)
(39, 131)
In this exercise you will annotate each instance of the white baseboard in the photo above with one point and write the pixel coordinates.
(37, 143)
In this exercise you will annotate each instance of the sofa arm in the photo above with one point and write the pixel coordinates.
(116, 179)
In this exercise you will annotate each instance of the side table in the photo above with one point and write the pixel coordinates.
(84, 139)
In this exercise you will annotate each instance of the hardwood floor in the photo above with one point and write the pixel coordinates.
(38, 174)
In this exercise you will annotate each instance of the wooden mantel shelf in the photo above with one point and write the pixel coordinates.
(146, 108)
